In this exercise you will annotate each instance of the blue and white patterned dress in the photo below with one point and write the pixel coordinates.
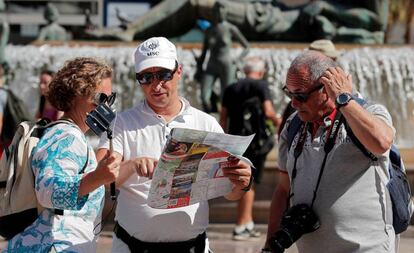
(57, 160)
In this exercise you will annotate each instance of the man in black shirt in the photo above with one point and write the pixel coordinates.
(232, 121)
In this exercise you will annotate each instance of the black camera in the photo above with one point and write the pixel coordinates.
(99, 120)
(297, 220)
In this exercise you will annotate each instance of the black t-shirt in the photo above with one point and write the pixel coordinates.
(236, 94)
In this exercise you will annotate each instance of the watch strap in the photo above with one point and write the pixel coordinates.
(248, 187)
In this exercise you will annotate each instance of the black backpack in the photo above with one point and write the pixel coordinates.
(254, 122)
(398, 186)
(14, 113)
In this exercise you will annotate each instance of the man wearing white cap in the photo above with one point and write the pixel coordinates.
(139, 137)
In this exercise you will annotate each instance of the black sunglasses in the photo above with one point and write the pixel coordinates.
(101, 98)
(162, 75)
(301, 96)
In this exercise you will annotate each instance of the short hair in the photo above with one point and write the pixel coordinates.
(313, 62)
(252, 64)
(79, 77)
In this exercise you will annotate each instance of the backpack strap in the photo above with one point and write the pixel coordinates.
(86, 163)
(293, 129)
(354, 139)
(395, 157)
(64, 121)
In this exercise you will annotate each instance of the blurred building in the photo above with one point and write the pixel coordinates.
(26, 16)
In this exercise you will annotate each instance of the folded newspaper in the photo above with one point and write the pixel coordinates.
(189, 169)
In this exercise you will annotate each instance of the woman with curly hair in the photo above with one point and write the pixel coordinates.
(69, 183)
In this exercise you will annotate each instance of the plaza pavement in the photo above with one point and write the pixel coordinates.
(221, 242)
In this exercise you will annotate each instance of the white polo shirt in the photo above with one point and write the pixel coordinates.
(140, 132)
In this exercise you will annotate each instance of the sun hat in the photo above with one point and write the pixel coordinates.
(326, 47)
(155, 52)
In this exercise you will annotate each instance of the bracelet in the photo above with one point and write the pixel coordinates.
(247, 188)
(266, 250)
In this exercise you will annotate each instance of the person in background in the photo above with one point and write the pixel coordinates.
(327, 48)
(46, 110)
(231, 119)
(140, 134)
(67, 175)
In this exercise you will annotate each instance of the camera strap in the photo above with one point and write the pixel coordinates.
(330, 142)
(298, 150)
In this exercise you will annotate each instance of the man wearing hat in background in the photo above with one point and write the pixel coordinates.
(326, 47)
(139, 137)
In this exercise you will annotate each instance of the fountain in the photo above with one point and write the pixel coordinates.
(381, 74)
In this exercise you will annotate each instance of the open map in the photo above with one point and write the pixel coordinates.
(189, 169)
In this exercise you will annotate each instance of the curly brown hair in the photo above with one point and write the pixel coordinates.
(79, 77)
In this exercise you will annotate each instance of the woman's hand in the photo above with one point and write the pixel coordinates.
(108, 168)
(106, 172)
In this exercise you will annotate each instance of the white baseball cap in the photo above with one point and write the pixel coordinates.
(155, 52)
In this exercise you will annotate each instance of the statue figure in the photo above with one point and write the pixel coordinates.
(359, 21)
(123, 18)
(89, 25)
(218, 40)
(53, 31)
(5, 33)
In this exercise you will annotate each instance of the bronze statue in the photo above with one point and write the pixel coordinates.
(5, 33)
(53, 31)
(218, 40)
(359, 21)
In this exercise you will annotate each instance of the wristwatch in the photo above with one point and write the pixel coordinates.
(343, 99)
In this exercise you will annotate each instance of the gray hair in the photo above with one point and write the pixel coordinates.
(314, 62)
(254, 64)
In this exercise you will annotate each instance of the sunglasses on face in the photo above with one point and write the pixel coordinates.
(162, 75)
(301, 96)
(102, 98)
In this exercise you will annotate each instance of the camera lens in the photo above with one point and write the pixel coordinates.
(280, 241)
(298, 220)
(284, 238)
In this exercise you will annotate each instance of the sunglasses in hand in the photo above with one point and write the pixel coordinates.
(102, 98)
